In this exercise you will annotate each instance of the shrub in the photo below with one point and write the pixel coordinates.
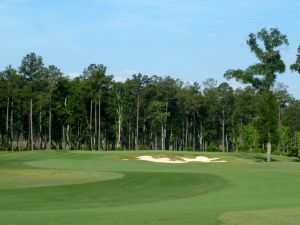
(213, 148)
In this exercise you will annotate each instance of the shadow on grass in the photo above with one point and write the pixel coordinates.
(257, 158)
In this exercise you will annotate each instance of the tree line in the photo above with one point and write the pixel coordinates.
(41, 108)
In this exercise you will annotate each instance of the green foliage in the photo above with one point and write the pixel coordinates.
(157, 114)
(250, 139)
(262, 76)
(296, 66)
(92, 111)
(213, 148)
(266, 120)
(291, 116)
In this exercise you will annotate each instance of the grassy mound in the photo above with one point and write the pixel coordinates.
(18, 178)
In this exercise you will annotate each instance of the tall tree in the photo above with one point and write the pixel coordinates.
(52, 75)
(117, 106)
(137, 84)
(225, 108)
(243, 114)
(262, 76)
(157, 117)
(32, 68)
(10, 90)
(98, 84)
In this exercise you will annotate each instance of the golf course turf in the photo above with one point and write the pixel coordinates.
(99, 188)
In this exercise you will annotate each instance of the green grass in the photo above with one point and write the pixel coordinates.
(90, 188)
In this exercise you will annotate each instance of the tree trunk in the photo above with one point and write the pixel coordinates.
(162, 137)
(223, 130)
(119, 111)
(63, 143)
(7, 123)
(11, 126)
(31, 126)
(194, 133)
(49, 147)
(99, 121)
(280, 144)
(186, 133)
(165, 126)
(171, 144)
(269, 149)
(68, 139)
(129, 138)
(91, 118)
(21, 129)
(227, 144)
(137, 124)
(40, 129)
(241, 135)
(155, 142)
(144, 131)
(95, 127)
(280, 117)
(67, 145)
(269, 152)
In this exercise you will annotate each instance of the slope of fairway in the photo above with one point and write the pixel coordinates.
(88, 188)
(25, 178)
(132, 189)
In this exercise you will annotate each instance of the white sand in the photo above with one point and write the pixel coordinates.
(183, 160)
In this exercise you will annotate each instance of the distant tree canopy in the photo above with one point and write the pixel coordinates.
(41, 108)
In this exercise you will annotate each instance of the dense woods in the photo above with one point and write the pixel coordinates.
(41, 108)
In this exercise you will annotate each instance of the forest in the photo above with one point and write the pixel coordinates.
(42, 108)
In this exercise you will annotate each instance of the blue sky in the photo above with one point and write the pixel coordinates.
(187, 39)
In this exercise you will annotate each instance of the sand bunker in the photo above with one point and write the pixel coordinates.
(182, 159)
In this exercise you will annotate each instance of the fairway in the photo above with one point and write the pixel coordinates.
(91, 188)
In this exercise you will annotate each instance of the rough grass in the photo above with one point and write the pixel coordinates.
(90, 188)
(262, 217)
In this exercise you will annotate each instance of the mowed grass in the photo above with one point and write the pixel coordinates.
(91, 188)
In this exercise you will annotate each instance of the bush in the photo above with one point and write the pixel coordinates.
(143, 147)
(294, 152)
(213, 148)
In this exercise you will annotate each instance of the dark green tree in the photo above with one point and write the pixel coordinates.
(97, 83)
(52, 75)
(32, 69)
(296, 66)
(262, 76)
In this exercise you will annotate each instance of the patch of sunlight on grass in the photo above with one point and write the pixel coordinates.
(262, 217)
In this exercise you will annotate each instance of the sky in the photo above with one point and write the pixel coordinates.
(188, 39)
